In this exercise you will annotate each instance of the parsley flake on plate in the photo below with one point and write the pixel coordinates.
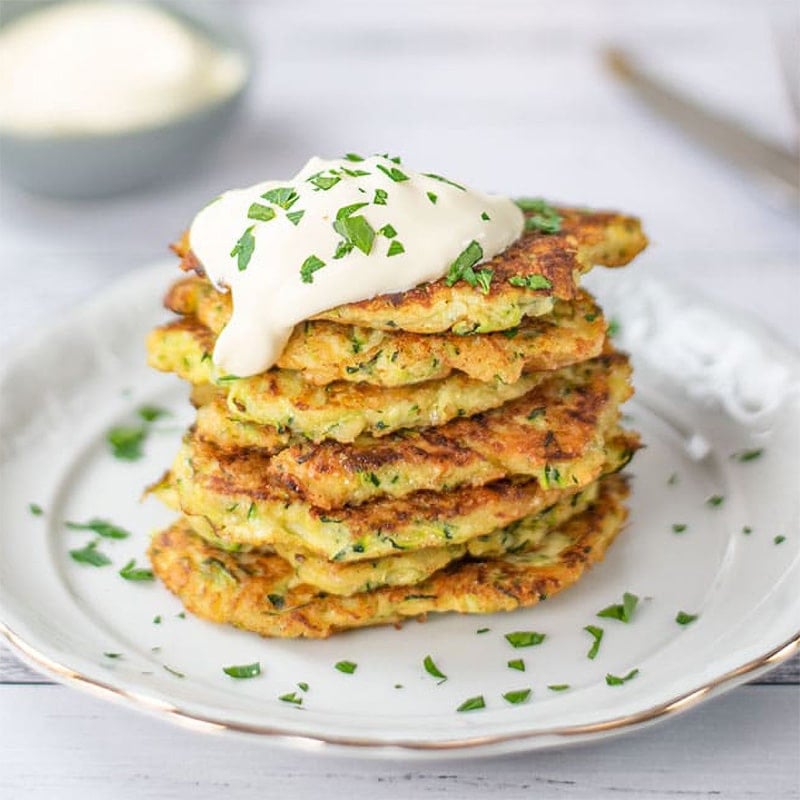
(133, 573)
(432, 669)
(597, 635)
(622, 611)
(243, 670)
(616, 680)
(472, 704)
(525, 638)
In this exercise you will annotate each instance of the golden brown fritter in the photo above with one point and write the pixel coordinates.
(325, 351)
(412, 566)
(245, 510)
(252, 591)
(341, 410)
(557, 428)
(586, 238)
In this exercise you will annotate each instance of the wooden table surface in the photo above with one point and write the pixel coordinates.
(509, 96)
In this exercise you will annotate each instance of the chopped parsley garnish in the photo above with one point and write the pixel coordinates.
(747, 530)
(462, 268)
(90, 555)
(432, 669)
(525, 638)
(485, 217)
(113, 655)
(544, 218)
(393, 173)
(355, 230)
(303, 686)
(380, 197)
(102, 527)
(715, 500)
(395, 248)
(444, 180)
(243, 249)
(35, 509)
(673, 479)
(517, 697)
(126, 441)
(683, 618)
(779, 540)
(243, 670)
(433, 197)
(133, 573)
(292, 697)
(355, 173)
(537, 412)
(388, 231)
(181, 615)
(353, 157)
(558, 687)
(284, 197)
(622, 611)
(679, 527)
(473, 704)
(532, 282)
(157, 619)
(483, 630)
(348, 667)
(597, 634)
(614, 327)
(484, 279)
(309, 267)
(517, 664)
(615, 680)
(323, 182)
(748, 455)
(295, 216)
(152, 413)
(260, 212)
(173, 671)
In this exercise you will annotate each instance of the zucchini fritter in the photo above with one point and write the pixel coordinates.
(254, 592)
(586, 238)
(324, 352)
(557, 426)
(340, 410)
(246, 510)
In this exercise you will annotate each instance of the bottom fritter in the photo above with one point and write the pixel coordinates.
(255, 592)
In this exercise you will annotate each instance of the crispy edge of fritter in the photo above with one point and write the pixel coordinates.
(410, 567)
(586, 238)
(324, 352)
(249, 590)
(244, 511)
(555, 426)
(341, 410)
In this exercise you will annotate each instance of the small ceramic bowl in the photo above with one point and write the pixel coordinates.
(98, 165)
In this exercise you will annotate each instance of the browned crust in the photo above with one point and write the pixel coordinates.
(586, 238)
(251, 591)
(558, 422)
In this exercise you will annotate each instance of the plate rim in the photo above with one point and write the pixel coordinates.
(627, 723)
(485, 744)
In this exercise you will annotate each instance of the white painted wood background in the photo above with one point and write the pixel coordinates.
(507, 95)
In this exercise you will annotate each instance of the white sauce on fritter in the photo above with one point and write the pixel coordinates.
(338, 232)
(95, 67)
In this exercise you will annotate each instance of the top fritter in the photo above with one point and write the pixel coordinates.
(372, 243)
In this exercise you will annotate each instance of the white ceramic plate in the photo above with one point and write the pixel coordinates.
(709, 386)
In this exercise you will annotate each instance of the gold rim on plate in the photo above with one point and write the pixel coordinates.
(783, 652)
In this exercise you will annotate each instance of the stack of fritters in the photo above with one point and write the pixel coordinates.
(441, 449)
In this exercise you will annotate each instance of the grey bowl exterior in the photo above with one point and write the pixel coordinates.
(75, 167)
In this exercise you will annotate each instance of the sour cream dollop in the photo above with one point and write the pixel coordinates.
(339, 231)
